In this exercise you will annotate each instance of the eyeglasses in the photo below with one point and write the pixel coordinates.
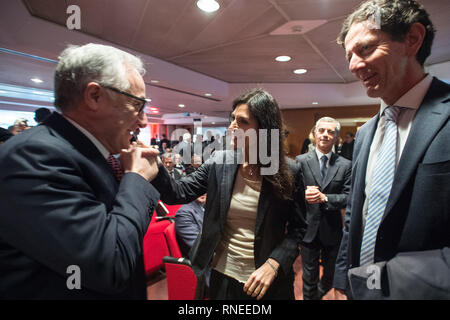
(322, 130)
(143, 101)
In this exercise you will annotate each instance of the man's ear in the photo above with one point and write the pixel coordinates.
(92, 95)
(414, 39)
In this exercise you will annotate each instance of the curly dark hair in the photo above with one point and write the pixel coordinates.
(396, 18)
(267, 113)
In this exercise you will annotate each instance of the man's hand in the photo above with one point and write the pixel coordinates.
(339, 294)
(141, 160)
(313, 195)
(260, 280)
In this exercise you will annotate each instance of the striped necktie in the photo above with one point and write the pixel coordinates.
(115, 165)
(323, 167)
(382, 178)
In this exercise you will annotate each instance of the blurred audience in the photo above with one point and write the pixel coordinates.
(196, 162)
(4, 135)
(347, 146)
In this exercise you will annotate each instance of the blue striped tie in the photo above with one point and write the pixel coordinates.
(323, 167)
(382, 178)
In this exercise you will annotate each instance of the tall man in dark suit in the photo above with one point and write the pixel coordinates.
(68, 228)
(398, 213)
(327, 179)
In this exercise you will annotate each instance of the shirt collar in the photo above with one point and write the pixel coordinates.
(320, 154)
(105, 153)
(413, 98)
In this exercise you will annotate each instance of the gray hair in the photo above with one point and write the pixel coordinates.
(332, 120)
(168, 155)
(79, 65)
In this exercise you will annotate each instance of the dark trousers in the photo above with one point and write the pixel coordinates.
(223, 287)
(313, 289)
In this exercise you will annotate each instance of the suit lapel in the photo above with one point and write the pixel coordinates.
(226, 186)
(430, 117)
(331, 171)
(83, 145)
(314, 166)
(265, 200)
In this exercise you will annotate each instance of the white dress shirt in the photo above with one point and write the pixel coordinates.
(320, 154)
(94, 140)
(410, 102)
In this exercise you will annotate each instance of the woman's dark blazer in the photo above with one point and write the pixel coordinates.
(280, 225)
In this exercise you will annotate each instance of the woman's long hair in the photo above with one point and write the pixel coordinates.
(268, 115)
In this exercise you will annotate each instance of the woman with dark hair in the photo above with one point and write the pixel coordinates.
(252, 226)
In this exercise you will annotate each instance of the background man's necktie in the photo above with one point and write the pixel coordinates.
(115, 165)
(382, 178)
(323, 167)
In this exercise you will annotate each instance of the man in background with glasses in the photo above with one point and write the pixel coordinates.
(70, 229)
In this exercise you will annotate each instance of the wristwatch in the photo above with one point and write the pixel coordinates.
(326, 199)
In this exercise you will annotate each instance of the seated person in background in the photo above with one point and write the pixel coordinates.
(195, 164)
(188, 226)
(167, 159)
(163, 149)
(178, 160)
(188, 223)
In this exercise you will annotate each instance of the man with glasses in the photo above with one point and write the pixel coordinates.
(69, 228)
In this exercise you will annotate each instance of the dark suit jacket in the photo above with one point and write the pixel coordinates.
(325, 218)
(188, 225)
(60, 205)
(216, 178)
(347, 150)
(417, 215)
(176, 173)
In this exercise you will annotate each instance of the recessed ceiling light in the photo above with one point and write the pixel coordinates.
(153, 110)
(36, 80)
(154, 81)
(181, 105)
(315, 102)
(283, 58)
(208, 94)
(213, 122)
(208, 5)
(300, 71)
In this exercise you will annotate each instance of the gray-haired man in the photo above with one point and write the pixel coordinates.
(69, 229)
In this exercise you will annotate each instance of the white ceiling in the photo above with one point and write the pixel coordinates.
(192, 53)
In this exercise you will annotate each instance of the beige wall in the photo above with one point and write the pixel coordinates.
(300, 121)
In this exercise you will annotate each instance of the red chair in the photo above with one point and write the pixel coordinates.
(155, 245)
(181, 279)
(172, 243)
